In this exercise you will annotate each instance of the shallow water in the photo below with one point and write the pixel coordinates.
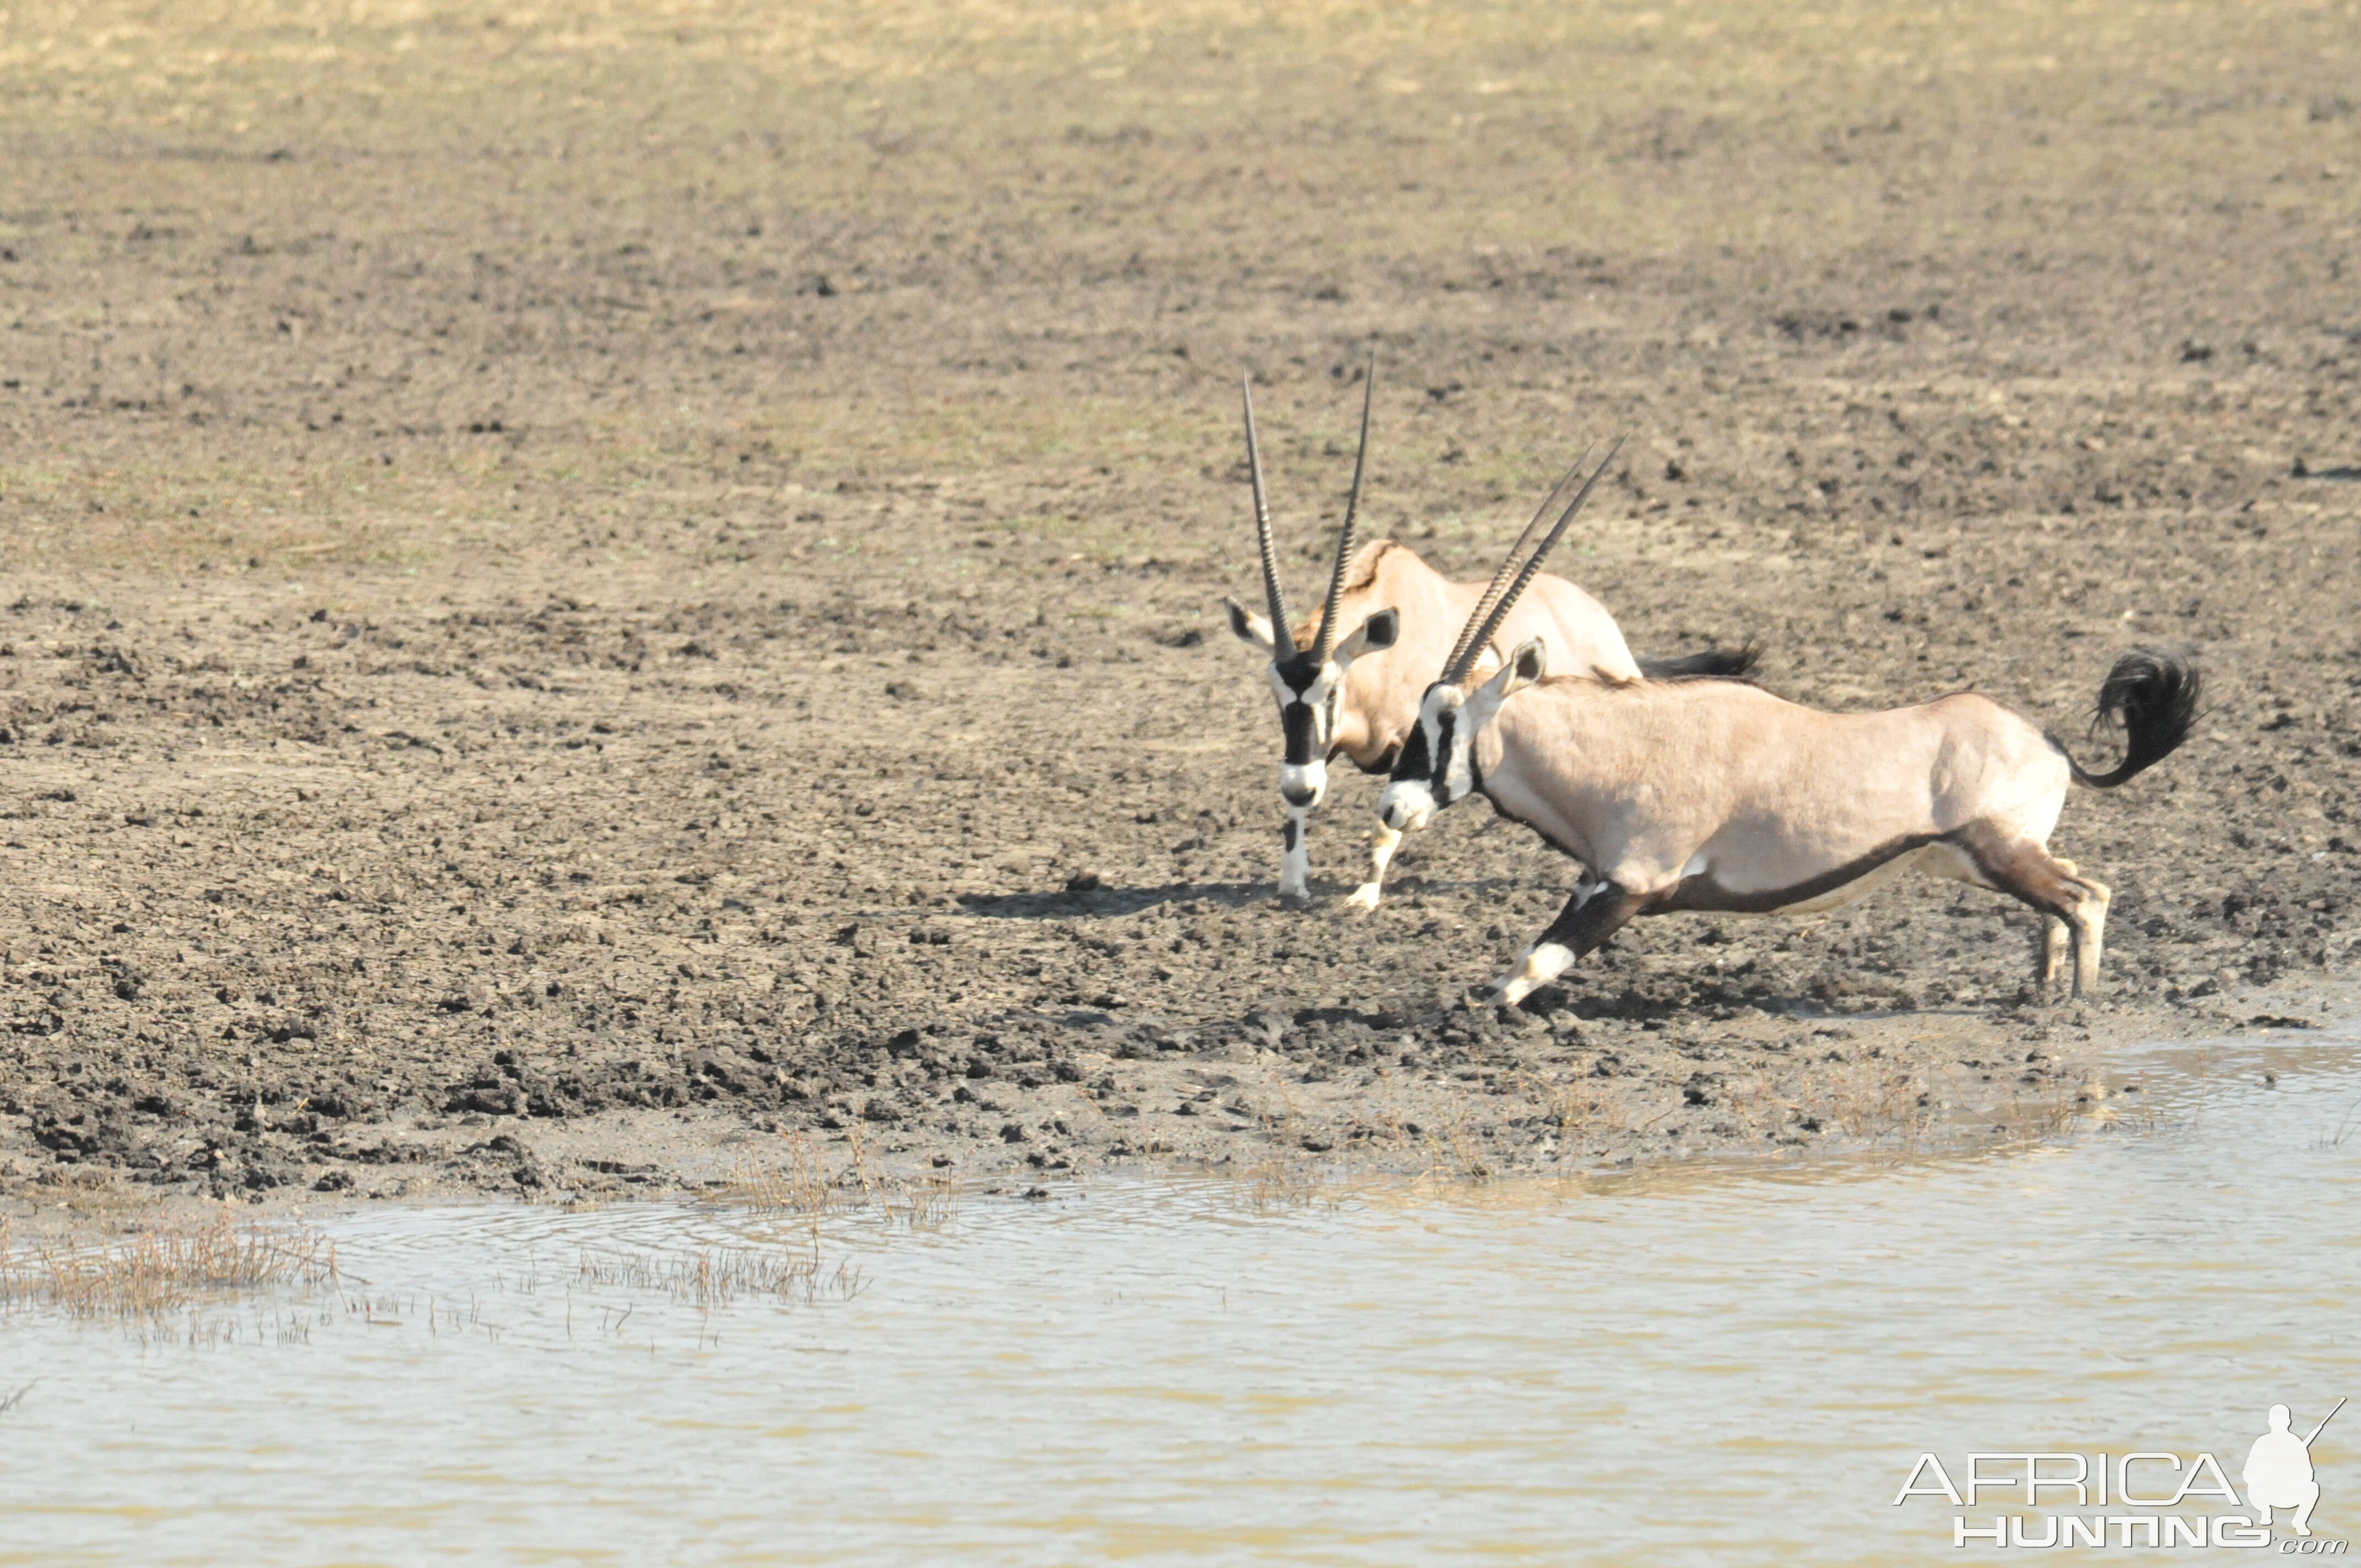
(1715, 1367)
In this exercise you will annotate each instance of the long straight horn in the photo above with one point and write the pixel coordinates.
(1491, 594)
(1327, 636)
(1283, 639)
(1456, 671)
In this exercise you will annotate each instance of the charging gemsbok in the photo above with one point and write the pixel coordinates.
(1715, 795)
(1338, 697)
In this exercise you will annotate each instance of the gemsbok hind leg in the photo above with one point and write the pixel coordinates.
(2055, 938)
(1595, 912)
(2086, 926)
(2089, 930)
(2028, 872)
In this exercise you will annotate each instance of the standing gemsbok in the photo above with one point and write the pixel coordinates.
(1715, 795)
(1358, 696)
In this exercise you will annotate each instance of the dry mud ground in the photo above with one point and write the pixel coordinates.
(593, 593)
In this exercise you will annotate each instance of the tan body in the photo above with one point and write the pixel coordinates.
(1382, 689)
(1715, 795)
(1711, 795)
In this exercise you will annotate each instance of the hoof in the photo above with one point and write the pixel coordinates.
(1363, 897)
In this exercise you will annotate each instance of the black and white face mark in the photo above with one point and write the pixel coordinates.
(1437, 765)
(1309, 696)
(1420, 785)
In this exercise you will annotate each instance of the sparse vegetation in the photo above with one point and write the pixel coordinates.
(163, 1269)
(723, 1277)
(803, 1185)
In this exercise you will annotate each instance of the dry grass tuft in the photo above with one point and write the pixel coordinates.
(720, 1277)
(160, 1271)
(801, 1185)
(1451, 1155)
(804, 1187)
(1282, 1180)
(1575, 1104)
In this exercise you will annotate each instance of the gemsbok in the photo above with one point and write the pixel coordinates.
(1712, 795)
(1338, 697)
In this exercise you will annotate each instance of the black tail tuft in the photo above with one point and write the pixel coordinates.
(2150, 695)
(1713, 664)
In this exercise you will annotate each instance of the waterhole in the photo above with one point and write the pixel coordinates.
(1737, 1366)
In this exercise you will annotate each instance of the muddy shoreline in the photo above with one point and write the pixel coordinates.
(549, 662)
(446, 939)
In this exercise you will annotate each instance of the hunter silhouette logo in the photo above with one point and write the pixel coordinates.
(2279, 1470)
(2143, 1499)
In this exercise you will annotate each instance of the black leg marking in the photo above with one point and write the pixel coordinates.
(2031, 874)
(1595, 912)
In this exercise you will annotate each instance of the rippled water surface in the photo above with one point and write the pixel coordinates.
(1708, 1368)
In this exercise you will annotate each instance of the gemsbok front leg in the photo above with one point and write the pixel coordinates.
(1381, 854)
(1294, 859)
(1595, 912)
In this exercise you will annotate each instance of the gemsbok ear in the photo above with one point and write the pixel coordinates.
(1247, 627)
(1525, 666)
(1373, 635)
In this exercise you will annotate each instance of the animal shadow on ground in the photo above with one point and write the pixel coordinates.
(1101, 903)
(1666, 1001)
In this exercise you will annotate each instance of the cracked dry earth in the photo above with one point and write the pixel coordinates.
(603, 661)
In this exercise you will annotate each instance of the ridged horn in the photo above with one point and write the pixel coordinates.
(1326, 642)
(1456, 670)
(1491, 594)
(1283, 639)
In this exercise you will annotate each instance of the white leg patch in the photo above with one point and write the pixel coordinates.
(1295, 861)
(1381, 854)
(2090, 937)
(1536, 966)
